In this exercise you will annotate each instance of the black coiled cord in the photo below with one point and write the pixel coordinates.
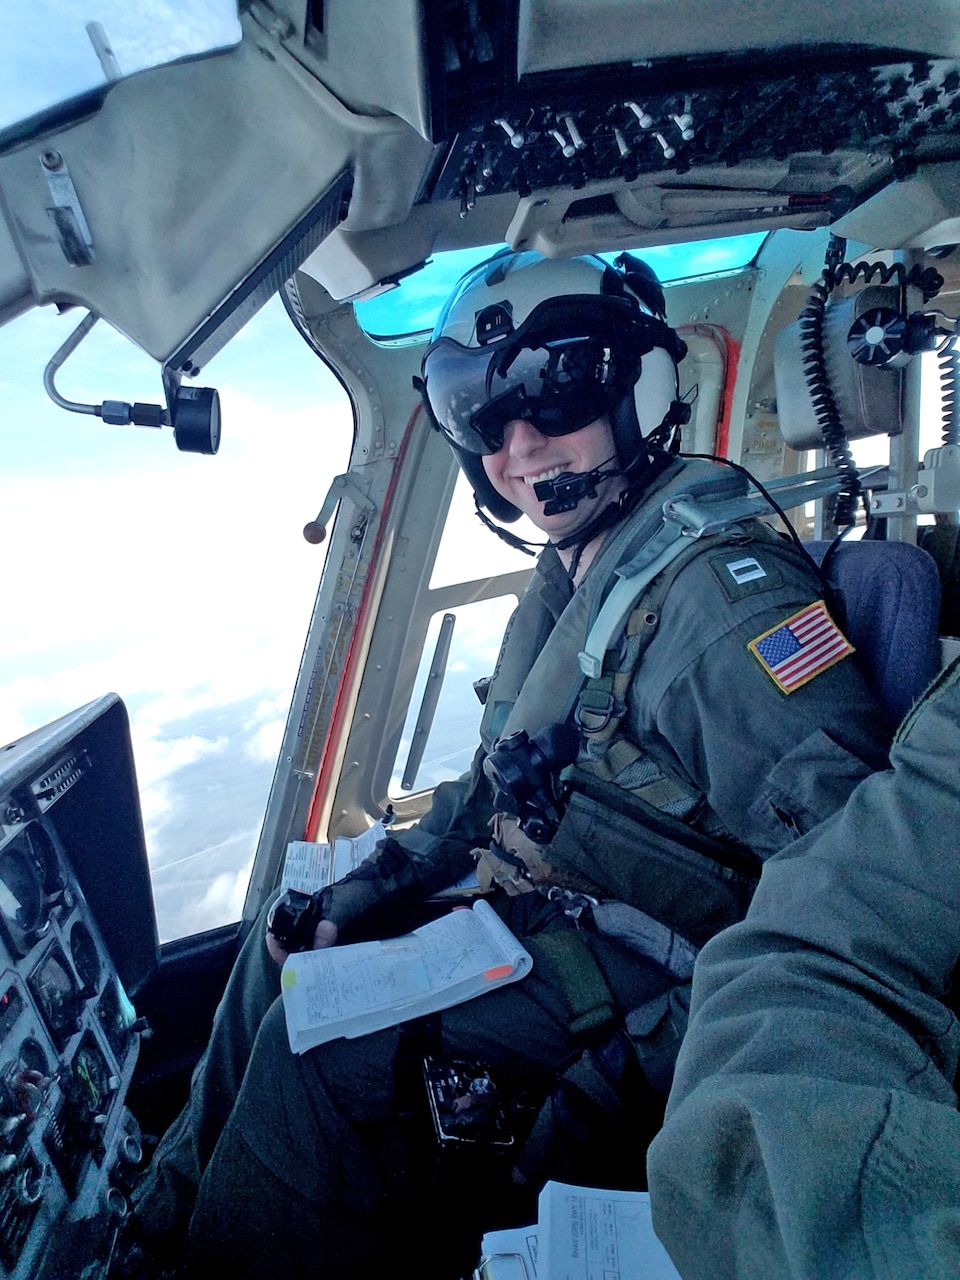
(835, 272)
(926, 279)
(949, 361)
(815, 371)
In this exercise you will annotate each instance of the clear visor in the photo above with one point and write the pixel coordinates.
(570, 362)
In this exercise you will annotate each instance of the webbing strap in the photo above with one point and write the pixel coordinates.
(608, 753)
(585, 988)
(626, 766)
(619, 603)
(684, 518)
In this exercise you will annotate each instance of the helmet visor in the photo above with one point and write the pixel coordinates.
(568, 364)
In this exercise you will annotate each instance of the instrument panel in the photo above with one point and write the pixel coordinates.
(69, 1033)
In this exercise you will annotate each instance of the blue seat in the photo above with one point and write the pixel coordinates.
(890, 593)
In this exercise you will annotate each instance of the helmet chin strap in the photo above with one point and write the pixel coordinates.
(511, 539)
(638, 477)
(604, 519)
(656, 461)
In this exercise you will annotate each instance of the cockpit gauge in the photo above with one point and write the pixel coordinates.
(30, 1078)
(23, 906)
(116, 1015)
(22, 1186)
(33, 1056)
(31, 882)
(11, 1007)
(45, 857)
(94, 1081)
(56, 992)
(30, 1183)
(26, 1081)
(86, 959)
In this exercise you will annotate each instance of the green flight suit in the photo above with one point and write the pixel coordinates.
(301, 1157)
(812, 1132)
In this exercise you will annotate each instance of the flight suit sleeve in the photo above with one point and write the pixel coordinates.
(430, 856)
(771, 761)
(812, 1128)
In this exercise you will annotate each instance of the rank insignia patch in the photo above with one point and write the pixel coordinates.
(746, 570)
(742, 576)
(800, 648)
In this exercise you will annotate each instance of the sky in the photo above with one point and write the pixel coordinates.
(180, 582)
(46, 55)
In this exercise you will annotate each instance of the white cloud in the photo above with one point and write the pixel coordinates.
(223, 899)
(181, 583)
(264, 743)
(263, 731)
(158, 758)
(159, 575)
(156, 805)
(150, 718)
(170, 556)
(269, 708)
(156, 761)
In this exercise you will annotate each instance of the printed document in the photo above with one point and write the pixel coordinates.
(311, 865)
(363, 987)
(582, 1234)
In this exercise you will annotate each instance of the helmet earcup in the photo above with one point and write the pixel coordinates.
(627, 435)
(655, 390)
(645, 407)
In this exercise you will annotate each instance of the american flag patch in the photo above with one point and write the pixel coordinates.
(800, 648)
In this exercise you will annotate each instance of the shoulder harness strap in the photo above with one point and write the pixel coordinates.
(685, 519)
(618, 639)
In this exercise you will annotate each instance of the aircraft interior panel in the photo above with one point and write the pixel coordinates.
(69, 1034)
(332, 170)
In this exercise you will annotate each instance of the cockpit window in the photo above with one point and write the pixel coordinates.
(409, 310)
(51, 52)
(180, 582)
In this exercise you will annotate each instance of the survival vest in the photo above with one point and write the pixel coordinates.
(630, 831)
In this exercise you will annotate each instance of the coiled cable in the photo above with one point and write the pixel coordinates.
(948, 359)
(835, 271)
(815, 371)
(927, 279)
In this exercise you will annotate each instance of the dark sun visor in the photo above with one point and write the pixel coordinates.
(569, 363)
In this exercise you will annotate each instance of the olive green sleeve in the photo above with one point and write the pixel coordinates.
(411, 865)
(812, 1129)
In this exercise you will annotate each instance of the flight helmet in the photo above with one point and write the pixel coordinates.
(559, 343)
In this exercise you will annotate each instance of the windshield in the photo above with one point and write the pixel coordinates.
(53, 50)
(413, 306)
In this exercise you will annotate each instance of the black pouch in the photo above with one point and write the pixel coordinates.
(638, 854)
(472, 1144)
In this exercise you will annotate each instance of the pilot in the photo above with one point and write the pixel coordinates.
(716, 713)
(813, 1131)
